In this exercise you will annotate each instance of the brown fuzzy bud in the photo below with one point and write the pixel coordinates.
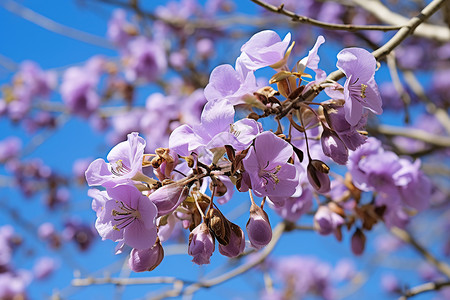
(218, 225)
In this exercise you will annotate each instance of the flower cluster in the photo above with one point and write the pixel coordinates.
(285, 168)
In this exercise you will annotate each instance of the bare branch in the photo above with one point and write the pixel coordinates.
(426, 287)
(413, 133)
(53, 26)
(408, 238)
(384, 14)
(332, 26)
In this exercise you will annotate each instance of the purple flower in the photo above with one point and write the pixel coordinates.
(270, 173)
(226, 82)
(118, 28)
(307, 274)
(10, 148)
(236, 244)
(294, 207)
(146, 259)
(415, 187)
(78, 88)
(13, 285)
(125, 162)
(358, 242)
(312, 60)
(264, 48)
(216, 130)
(258, 227)
(169, 197)
(333, 146)
(129, 218)
(326, 221)
(31, 82)
(44, 267)
(360, 88)
(347, 133)
(146, 60)
(201, 244)
(372, 146)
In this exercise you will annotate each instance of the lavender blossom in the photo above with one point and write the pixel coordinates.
(360, 88)
(146, 60)
(201, 244)
(326, 221)
(234, 85)
(125, 162)
(258, 227)
(264, 48)
(129, 218)
(78, 88)
(270, 173)
(217, 129)
(146, 259)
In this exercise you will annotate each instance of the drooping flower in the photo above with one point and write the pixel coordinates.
(360, 88)
(333, 146)
(146, 259)
(236, 244)
(258, 227)
(169, 197)
(124, 163)
(129, 218)
(201, 244)
(268, 167)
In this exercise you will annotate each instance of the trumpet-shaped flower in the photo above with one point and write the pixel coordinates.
(124, 163)
(360, 88)
(270, 173)
(129, 217)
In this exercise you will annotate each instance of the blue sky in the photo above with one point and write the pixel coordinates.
(22, 40)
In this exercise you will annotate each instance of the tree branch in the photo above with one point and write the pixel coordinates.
(53, 26)
(413, 133)
(426, 287)
(384, 14)
(332, 26)
(189, 290)
(408, 238)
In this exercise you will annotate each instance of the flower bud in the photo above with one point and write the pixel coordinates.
(333, 147)
(218, 225)
(358, 242)
(169, 197)
(327, 221)
(201, 244)
(221, 188)
(317, 176)
(146, 259)
(258, 227)
(237, 242)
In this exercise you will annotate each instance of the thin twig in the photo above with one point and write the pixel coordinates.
(53, 26)
(413, 133)
(332, 26)
(123, 281)
(408, 238)
(426, 287)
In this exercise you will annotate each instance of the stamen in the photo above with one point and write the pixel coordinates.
(233, 130)
(119, 169)
(363, 90)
